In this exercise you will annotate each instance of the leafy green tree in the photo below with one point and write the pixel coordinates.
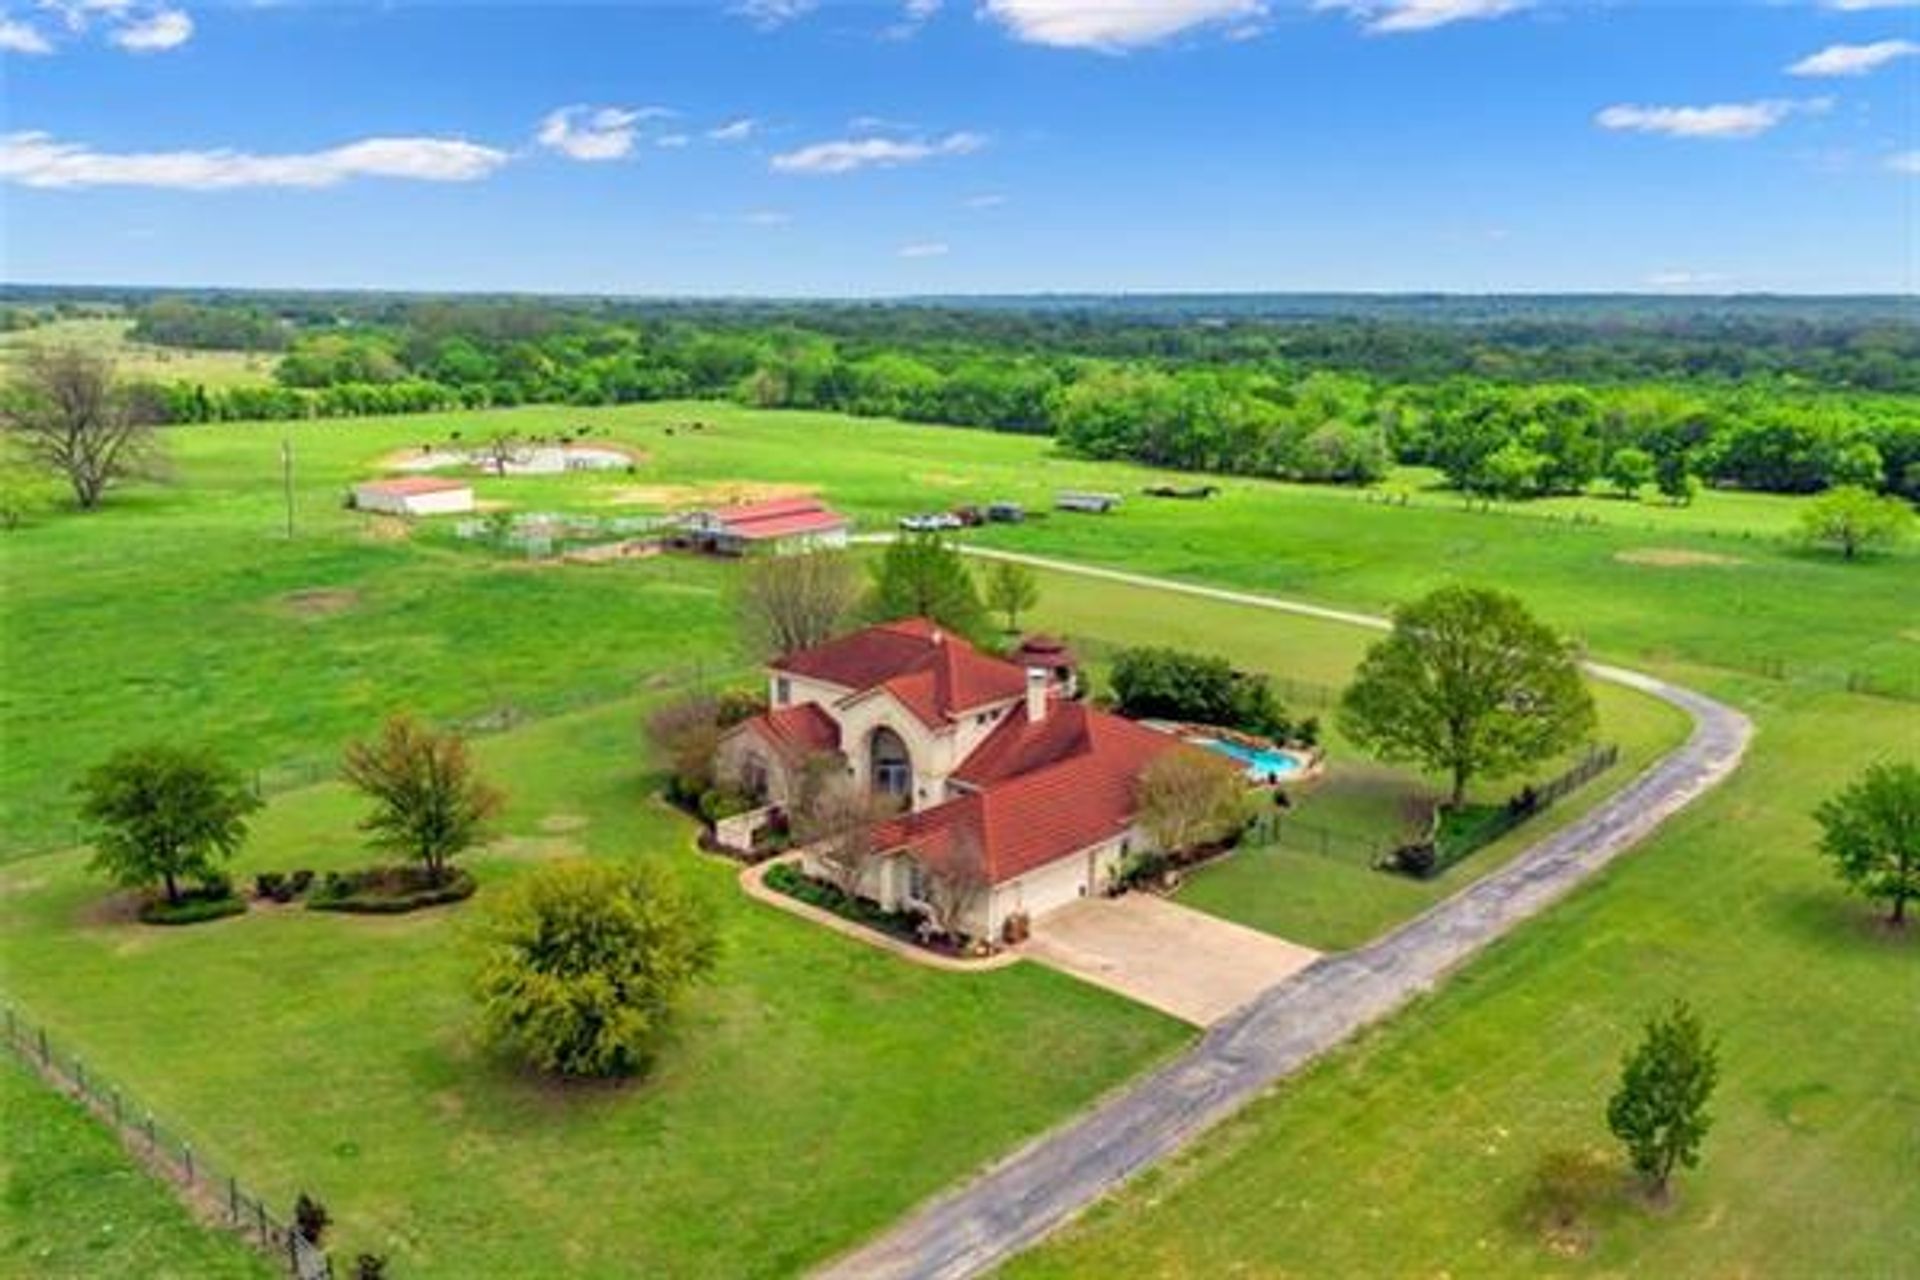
(1855, 520)
(428, 802)
(1187, 798)
(1011, 590)
(1660, 1109)
(1858, 463)
(1871, 831)
(1468, 684)
(1673, 476)
(583, 964)
(166, 813)
(920, 576)
(1173, 684)
(1512, 472)
(1629, 470)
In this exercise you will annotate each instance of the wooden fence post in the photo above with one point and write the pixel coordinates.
(186, 1158)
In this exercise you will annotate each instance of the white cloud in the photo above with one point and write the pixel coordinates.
(153, 32)
(844, 155)
(1391, 17)
(923, 249)
(1904, 162)
(593, 133)
(20, 37)
(768, 14)
(1114, 25)
(36, 159)
(986, 200)
(1853, 59)
(1865, 6)
(672, 141)
(734, 130)
(1722, 120)
(766, 218)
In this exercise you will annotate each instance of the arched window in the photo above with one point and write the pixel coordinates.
(888, 763)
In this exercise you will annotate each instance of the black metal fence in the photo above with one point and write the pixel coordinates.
(216, 1193)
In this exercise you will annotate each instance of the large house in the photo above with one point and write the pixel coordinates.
(993, 774)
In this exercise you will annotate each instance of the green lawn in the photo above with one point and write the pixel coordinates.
(1329, 897)
(817, 1088)
(73, 1205)
(1411, 1152)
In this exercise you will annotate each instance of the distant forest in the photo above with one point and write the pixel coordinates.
(1508, 397)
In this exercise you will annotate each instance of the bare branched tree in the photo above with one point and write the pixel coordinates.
(788, 603)
(69, 413)
(834, 816)
(958, 888)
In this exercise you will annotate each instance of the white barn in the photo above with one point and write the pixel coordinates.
(414, 496)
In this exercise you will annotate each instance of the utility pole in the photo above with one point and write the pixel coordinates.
(286, 479)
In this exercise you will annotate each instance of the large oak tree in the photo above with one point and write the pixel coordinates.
(1471, 685)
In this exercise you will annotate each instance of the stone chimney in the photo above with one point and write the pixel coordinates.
(1037, 681)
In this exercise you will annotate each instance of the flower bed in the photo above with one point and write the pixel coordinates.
(388, 890)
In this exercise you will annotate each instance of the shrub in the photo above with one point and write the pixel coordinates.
(310, 1218)
(370, 1266)
(723, 802)
(389, 890)
(270, 884)
(213, 902)
(1176, 685)
(583, 964)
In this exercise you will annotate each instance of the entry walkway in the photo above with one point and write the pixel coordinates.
(1183, 962)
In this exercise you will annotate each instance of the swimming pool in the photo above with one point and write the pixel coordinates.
(1263, 764)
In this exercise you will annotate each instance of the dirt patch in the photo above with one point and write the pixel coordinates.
(112, 910)
(446, 457)
(1674, 558)
(319, 602)
(719, 493)
(386, 529)
(533, 848)
(560, 824)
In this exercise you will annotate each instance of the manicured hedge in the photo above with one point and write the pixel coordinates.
(388, 890)
(194, 906)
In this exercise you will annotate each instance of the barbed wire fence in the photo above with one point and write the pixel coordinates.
(218, 1195)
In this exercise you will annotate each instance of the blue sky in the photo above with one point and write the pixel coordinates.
(781, 147)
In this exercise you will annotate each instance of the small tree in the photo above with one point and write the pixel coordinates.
(583, 964)
(1629, 471)
(1469, 684)
(68, 413)
(1871, 831)
(686, 734)
(429, 804)
(1855, 520)
(1011, 590)
(164, 813)
(958, 887)
(788, 603)
(1673, 477)
(920, 576)
(834, 816)
(1660, 1109)
(1187, 798)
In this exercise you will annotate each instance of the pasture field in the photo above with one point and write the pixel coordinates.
(73, 1205)
(144, 360)
(331, 1053)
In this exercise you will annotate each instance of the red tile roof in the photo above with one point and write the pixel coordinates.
(936, 675)
(406, 486)
(1046, 790)
(802, 729)
(777, 518)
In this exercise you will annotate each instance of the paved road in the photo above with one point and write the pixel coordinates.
(1019, 1201)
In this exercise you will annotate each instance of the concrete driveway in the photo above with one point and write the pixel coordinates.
(1197, 967)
